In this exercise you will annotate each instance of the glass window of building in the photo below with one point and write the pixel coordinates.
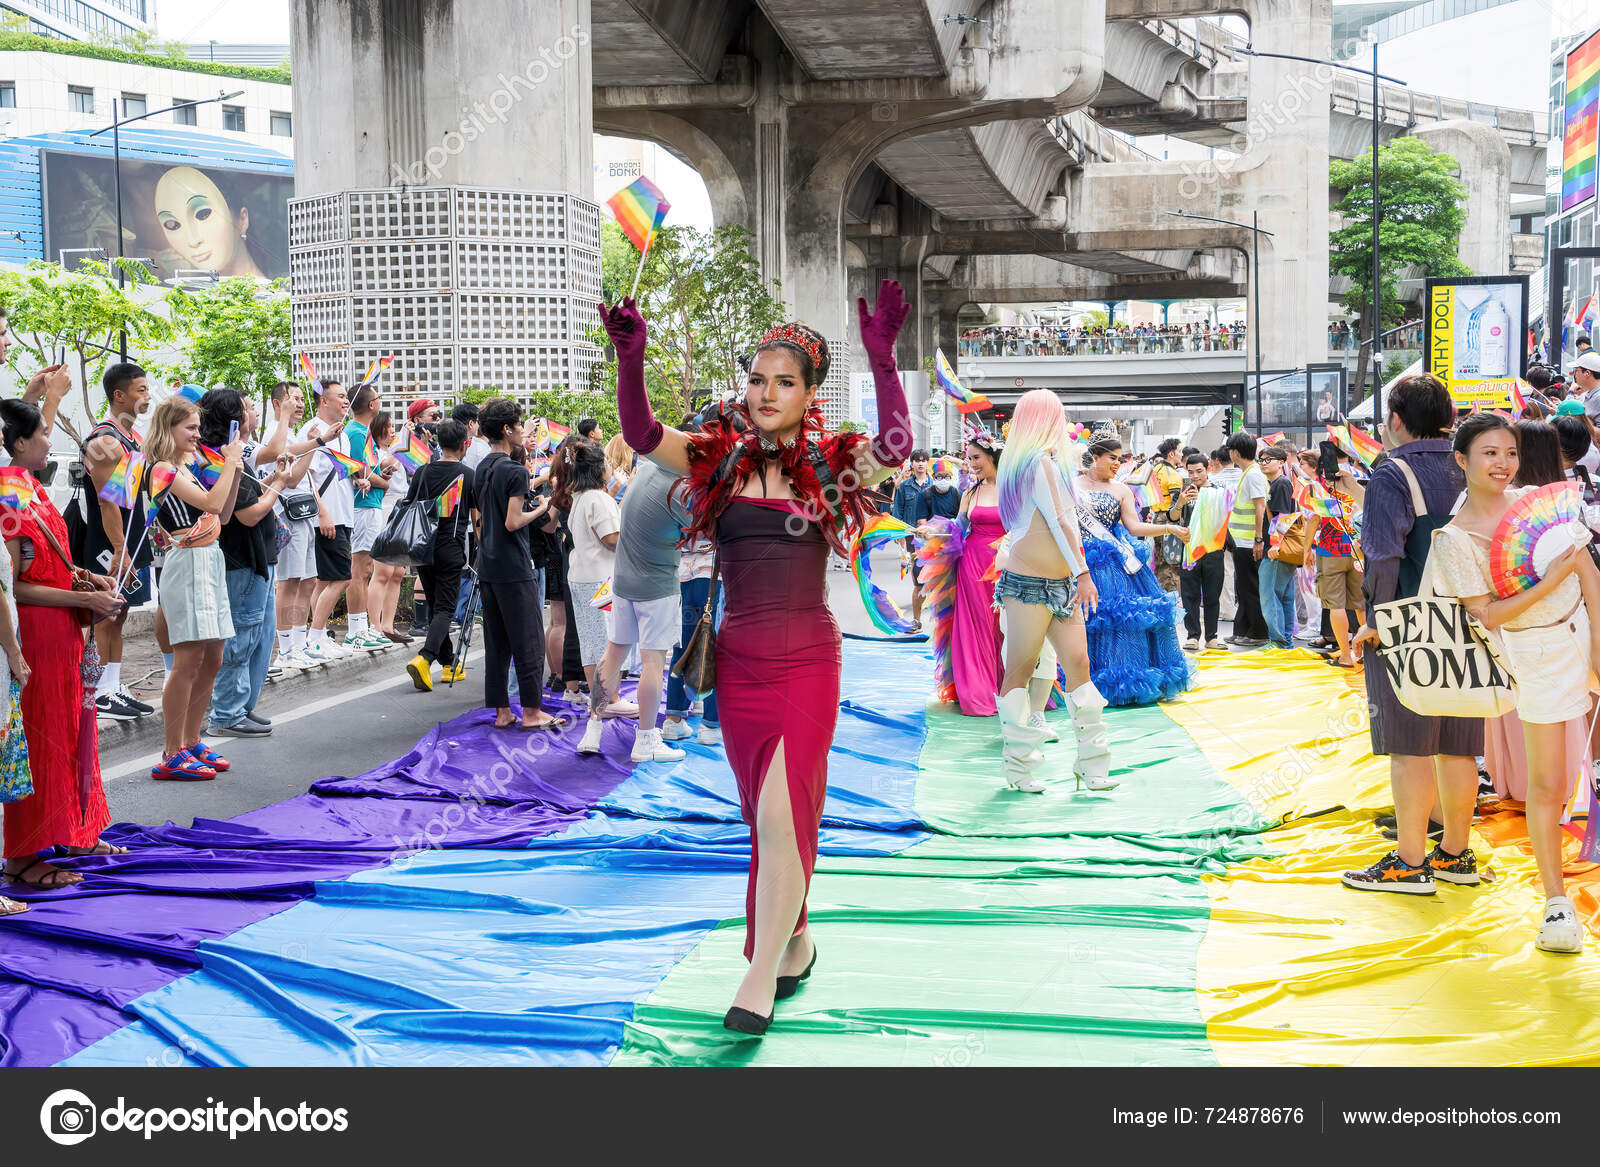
(282, 124)
(8, 95)
(233, 118)
(184, 114)
(80, 100)
(133, 105)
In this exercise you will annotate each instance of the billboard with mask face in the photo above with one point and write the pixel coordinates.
(180, 217)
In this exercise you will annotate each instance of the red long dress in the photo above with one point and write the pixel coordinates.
(778, 663)
(52, 703)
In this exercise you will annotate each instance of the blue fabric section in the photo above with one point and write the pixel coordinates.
(534, 956)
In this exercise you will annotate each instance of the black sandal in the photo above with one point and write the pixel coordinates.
(101, 847)
(53, 880)
(555, 725)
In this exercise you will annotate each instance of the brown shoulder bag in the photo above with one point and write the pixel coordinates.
(698, 663)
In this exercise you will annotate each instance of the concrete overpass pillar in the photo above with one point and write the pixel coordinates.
(1485, 170)
(443, 173)
(1284, 170)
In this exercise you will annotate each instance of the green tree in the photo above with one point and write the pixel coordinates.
(1419, 227)
(235, 333)
(565, 406)
(83, 312)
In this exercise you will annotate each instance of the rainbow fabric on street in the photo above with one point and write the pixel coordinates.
(490, 898)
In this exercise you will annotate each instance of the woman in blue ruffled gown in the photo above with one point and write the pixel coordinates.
(1134, 657)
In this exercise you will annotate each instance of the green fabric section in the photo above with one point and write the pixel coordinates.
(1053, 929)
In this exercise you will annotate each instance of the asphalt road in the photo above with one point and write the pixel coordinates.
(343, 720)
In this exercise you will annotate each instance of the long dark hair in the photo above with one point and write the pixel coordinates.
(1538, 454)
(217, 408)
(19, 421)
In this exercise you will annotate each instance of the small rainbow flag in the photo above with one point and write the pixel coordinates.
(1519, 392)
(450, 499)
(1323, 506)
(541, 466)
(602, 596)
(556, 432)
(305, 367)
(207, 465)
(376, 368)
(639, 208)
(16, 488)
(343, 464)
(413, 454)
(966, 400)
(161, 480)
(1363, 445)
(1276, 439)
(122, 488)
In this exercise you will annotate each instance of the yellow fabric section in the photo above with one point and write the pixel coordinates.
(1296, 969)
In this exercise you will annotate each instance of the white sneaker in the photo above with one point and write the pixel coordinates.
(321, 652)
(648, 747)
(591, 737)
(675, 730)
(1560, 931)
(1037, 721)
(709, 735)
(1218, 643)
(1191, 645)
(620, 709)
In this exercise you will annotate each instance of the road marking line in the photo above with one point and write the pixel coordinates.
(146, 763)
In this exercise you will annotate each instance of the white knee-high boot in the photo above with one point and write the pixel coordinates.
(1093, 765)
(1020, 742)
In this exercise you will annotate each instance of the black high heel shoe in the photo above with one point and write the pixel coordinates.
(789, 986)
(743, 1021)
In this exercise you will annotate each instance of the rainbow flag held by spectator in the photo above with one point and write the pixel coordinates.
(311, 374)
(1363, 445)
(122, 488)
(413, 454)
(343, 464)
(207, 465)
(966, 400)
(1208, 523)
(16, 488)
(376, 368)
(161, 480)
(450, 499)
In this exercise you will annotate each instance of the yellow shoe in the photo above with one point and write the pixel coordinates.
(421, 674)
(456, 672)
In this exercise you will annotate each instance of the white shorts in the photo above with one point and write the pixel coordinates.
(1550, 669)
(368, 526)
(652, 625)
(298, 559)
(1045, 670)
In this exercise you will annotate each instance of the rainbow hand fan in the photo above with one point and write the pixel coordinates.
(1541, 525)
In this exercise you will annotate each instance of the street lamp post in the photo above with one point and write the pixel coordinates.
(116, 171)
(1254, 323)
(1377, 203)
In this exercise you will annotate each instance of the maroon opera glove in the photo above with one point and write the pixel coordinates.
(878, 332)
(628, 334)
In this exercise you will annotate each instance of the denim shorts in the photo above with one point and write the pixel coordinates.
(1055, 594)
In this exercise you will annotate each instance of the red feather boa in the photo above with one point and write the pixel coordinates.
(718, 439)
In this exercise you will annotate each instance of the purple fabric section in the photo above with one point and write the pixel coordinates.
(70, 966)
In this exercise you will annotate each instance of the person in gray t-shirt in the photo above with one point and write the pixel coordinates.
(645, 607)
(653, 519)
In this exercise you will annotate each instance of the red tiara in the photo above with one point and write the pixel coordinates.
(790, 334)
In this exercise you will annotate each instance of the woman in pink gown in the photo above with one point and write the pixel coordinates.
(975, 638)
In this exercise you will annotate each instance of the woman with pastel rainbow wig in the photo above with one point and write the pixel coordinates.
(1047, 592)
(1133, 637)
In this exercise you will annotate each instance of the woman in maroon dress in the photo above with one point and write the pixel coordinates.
(777, 491)
(67, 808)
